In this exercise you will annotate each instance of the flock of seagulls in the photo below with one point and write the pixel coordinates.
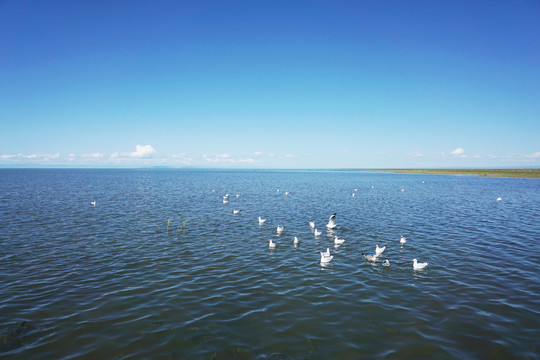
(326, 256)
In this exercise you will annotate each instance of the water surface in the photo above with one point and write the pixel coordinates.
(79, 281)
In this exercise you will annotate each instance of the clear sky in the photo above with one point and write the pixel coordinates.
(270, 84)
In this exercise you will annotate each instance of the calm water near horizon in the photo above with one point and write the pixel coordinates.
(79, 281)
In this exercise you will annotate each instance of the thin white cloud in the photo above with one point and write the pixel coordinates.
(36, 157)
(226, 158)
(182, 158)
(416, 154)
(459, 153)
(289, 155)
(535, 156)
(94, 156)
(258, 153)
(143, 151)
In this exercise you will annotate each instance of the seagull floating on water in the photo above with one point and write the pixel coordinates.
(93, 202)
(271, 244)
(403, 240)
(236, 211)
(499, 199)
(418, 266)
(261, 221)
(332, 221)
(386, 263)
(312, 224)
(296, 241)
(370, 257)
(338, 241)
(317, 233)
(279, 229)
(326, 259)
(287, 193)
(379, 250)
(325, 256)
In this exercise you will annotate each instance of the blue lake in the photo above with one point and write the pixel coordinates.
(79, 281)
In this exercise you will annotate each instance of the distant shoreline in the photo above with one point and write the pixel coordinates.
(521, 173)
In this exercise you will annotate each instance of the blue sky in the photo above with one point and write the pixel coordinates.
(270, 84)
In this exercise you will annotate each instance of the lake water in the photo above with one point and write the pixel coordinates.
(100, 282)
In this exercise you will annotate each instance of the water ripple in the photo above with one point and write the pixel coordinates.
(85, 282)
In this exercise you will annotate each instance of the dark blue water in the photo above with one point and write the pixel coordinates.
(80, 281)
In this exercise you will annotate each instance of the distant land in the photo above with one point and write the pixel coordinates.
(521, 172)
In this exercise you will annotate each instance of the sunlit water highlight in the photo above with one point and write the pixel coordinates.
(83, 281)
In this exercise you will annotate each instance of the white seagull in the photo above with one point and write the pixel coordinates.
(236, 211)
(312, 224)
(418, 266)
(332, 221)
(296, 241)
(386, 263)
(93, 202)
(403, 240)
(326, 257)
(379, 250)
(271, 244)
(261, 221)
(370, 257)
(338, 241)
(279, 229)
(317, 233)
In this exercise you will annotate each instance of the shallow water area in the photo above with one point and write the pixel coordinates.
(109, 281)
